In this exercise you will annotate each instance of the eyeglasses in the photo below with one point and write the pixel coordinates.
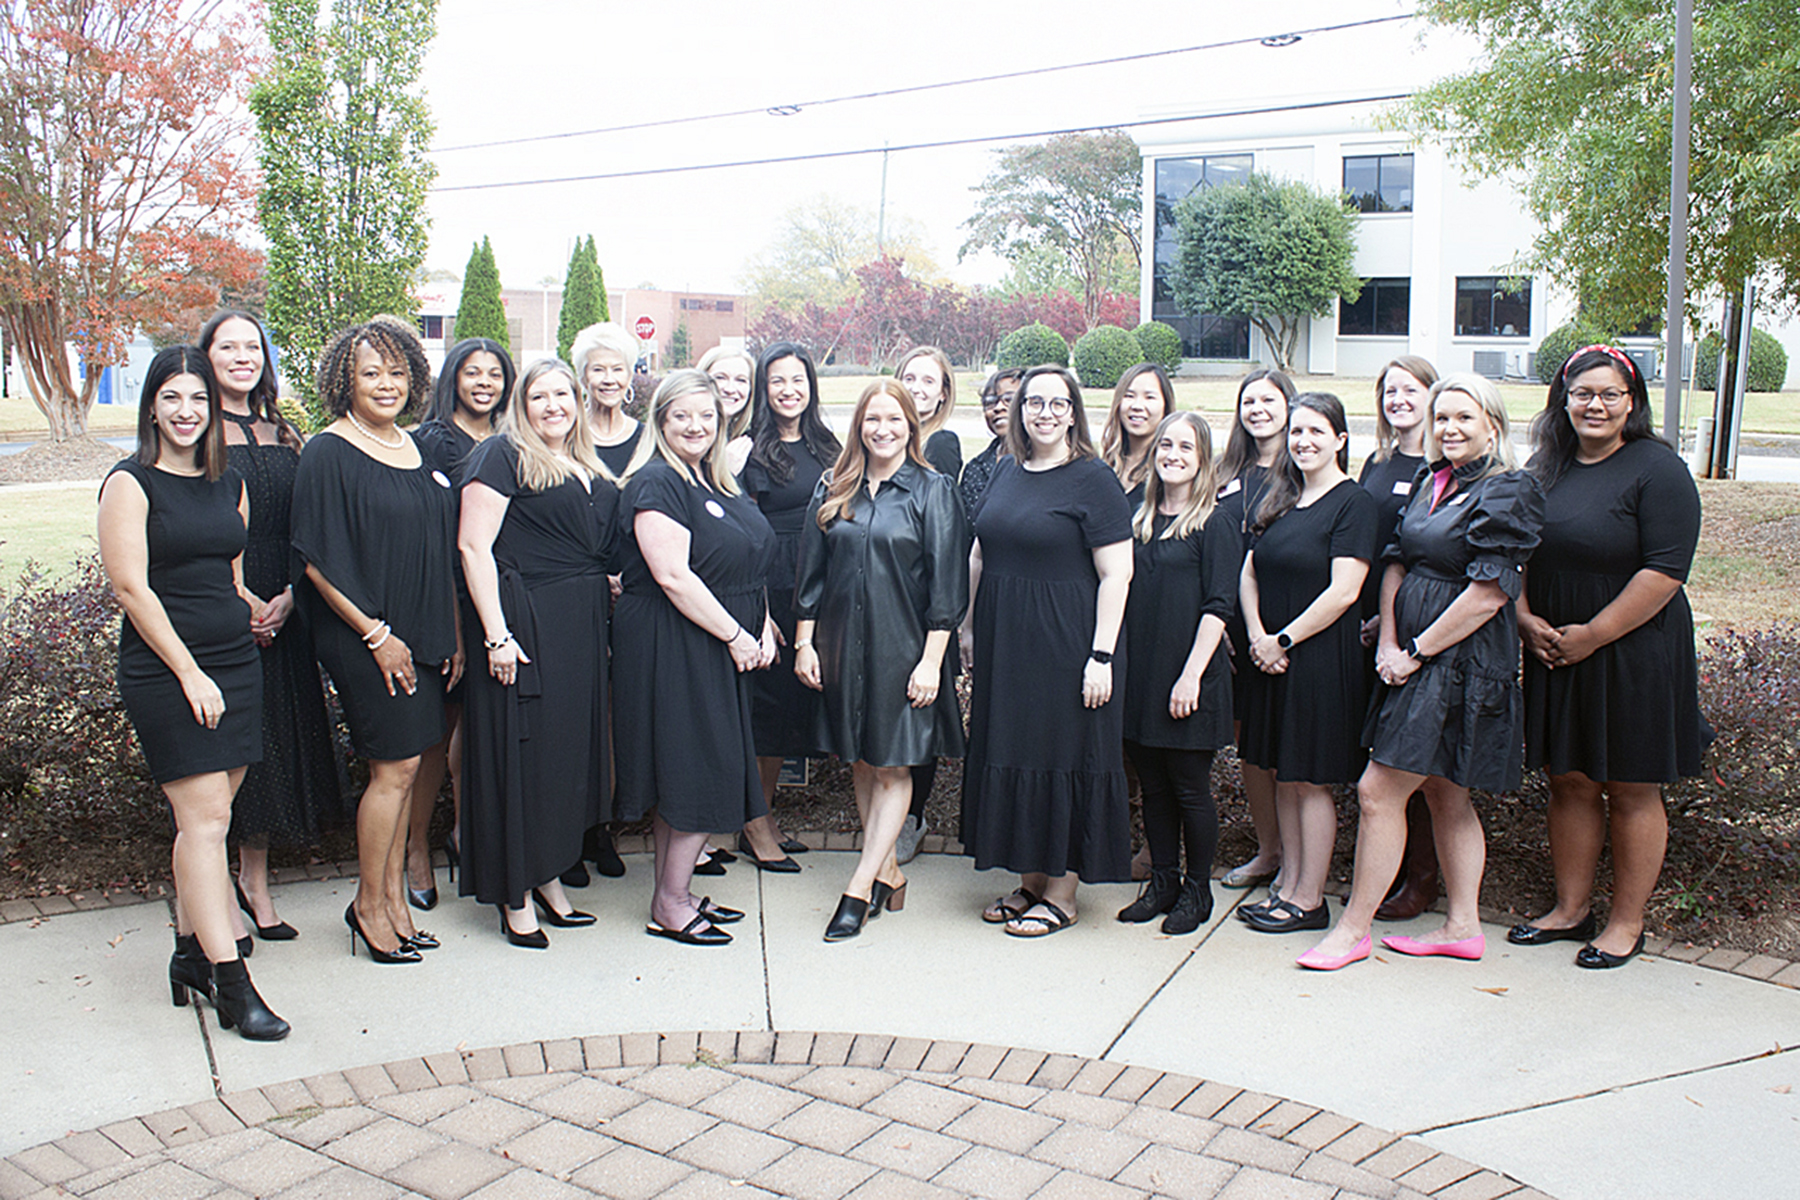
(990, 400)
(1612, 398)
(1056, 406)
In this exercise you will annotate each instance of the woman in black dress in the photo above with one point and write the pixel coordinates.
(692, 621)
(1044, 784)
(172, 532)
(538, 516)
(291, 797)
(1188, 556)
(996, 401)
(791, 447)
(883, 581)
(1612, 709)
(373, 537)
(1447, 711)
(732, 372)
(603, 355)
(1402, 395)
(1304, 707)
(471, 393)
(1257, 436)
(1144, 396)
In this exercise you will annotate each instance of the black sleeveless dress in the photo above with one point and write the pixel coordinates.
(193, 532)
(786, 710)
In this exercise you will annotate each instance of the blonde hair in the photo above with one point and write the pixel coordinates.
(853, 461)
(678, 385)
(941, 417)
(740, 421)
(1387, 439)
(1480, 389)
(1115, 447)
(539, 468)
(1201, 497)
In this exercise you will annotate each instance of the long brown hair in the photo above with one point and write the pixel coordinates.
(1387, 441)
(171, 361)
(1201, 497)
(1115, 445)
(852, 465)
(1240, 447)
(1285, 480)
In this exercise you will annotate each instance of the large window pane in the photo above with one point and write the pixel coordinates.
(1379, 182)
(1493, 306)
(1383, 308)
(1176, 179)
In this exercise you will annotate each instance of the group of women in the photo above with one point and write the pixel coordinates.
(667, 610)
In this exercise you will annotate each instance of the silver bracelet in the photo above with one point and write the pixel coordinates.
(387, 631)
(499, 644)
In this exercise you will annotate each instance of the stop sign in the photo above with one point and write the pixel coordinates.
(646, 328)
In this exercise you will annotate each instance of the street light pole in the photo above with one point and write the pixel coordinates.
(1675, 321)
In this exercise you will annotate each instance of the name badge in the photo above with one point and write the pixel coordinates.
(716, 509)
(443, 480)
(1236, 485)
(1403, 487)
(1459, 499)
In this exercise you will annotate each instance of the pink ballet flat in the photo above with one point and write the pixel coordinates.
(1469, 948)
(1312, 960)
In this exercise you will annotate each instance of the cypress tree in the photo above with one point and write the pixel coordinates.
(584, 296)
(681, 346)
(481, 313)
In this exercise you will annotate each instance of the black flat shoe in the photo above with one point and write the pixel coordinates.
(573, 919)
(718, 914)
(1289, 918)
(778, 866)
(722, 855)
(537, 939)
(599, 850)
(423, 899)
(576, 876)
(698, 932)
(1527, 934)
(712, 866)
(848, 920)
(786, 846)
(1244, 912)
(794, 846)
(403, 953)
(1595, 959)
(280, 931)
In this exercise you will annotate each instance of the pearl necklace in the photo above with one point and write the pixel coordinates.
(399, 438)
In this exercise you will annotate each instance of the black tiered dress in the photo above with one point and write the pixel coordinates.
(193, 532)
(445, 446)
(681, 708)
(292, 796)
(1629, 713)
(1044, 782)
(1460, 715)
(1306, 723)
(786, 710)
(536, 753)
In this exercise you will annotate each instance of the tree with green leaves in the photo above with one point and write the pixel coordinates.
(1573, 98)
(343, 131)
(821, 244)
(480, 312)
(1078, 195)
(1271, 251)
(583, 298)
(681, 346)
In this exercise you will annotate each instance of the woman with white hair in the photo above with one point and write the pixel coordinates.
(603, 356)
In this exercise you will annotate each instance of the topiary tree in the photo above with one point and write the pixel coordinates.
(1031, 346)
(480, 313)
(1104, 353)
(1768, 363)
(1160, 344)
(584, 296)
(1563, 341)
(681, 346)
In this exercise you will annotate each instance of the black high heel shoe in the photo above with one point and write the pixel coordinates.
(189, 971)
(418, 939)
(246, 946)
(280, 931)
(402, 954)
(452, 855)
(881, 896)
(537, 939)
(573, 919)
(849, 918)
(238, 1005)
(423, 899)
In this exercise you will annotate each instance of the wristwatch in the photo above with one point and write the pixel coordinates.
(1284, 641)
(1103, 657)
(1412, 649)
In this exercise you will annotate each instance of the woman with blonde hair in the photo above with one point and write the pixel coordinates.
(930, 380)
(1144, 396)
(1447, 714)
(733, 372)
(883, 582)
(536, 536)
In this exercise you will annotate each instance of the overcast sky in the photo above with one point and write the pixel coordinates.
(556, 66)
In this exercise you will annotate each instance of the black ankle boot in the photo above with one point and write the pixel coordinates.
(1193, 907)
(1156, 897)
(847, 922)
(189, 971)
(597, 847)
(235, 998)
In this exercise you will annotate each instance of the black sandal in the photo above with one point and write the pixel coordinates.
(1003, 910)
(1034, 925)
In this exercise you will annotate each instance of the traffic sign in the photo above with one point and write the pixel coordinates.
(646, 328)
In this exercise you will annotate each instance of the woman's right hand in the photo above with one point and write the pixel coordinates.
(1371, 629)
(204, 698)
(746, 651)
(503, 662)
(1540, 636)
(395, 661)
(806, 666)
(965, 647)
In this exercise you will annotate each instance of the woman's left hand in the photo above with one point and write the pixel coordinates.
(1394, 666)
(452, 670)
(616, 585)
(806, 666)
(922, 685)
(267, 623)
(771, 637)
(1096, 683)
(1185, 697)
(1268, 655)
(1571, 644)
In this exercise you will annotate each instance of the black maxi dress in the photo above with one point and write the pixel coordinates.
(786, 710)
(681, 723)
(446, 447)
(1044, 781)
(193, 532)
(1306, 723)
(1629, 713)
(876, 582)
(1459, 716)
(536, 753)
(292, 796)
(384, 537)
(1174, 583)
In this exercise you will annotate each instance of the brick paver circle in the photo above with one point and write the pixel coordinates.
(818, 1116)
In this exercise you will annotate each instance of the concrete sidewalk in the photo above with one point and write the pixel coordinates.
(1663, 1078)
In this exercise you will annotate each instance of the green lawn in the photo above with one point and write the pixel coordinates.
(49, 525)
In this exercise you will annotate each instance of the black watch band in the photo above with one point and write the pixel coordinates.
(1412, 649)
(1103, 657)
(1284, 641)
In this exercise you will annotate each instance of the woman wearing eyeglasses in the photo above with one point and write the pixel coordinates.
(1612, 709)
(1044, 784)
(996, 399)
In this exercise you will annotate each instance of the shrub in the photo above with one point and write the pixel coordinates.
(1768, 362)
(1104, 353)
(1032, 346)
(1160, 344)
(1563, 341)
(1750, 692)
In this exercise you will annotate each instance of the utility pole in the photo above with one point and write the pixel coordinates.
(1675, 320)
(881, 213)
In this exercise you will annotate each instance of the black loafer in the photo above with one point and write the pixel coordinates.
(692, 933)
(1289, 918)
(1527, 934)
(1595, 959)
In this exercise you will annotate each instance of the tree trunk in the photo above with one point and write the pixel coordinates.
(1278, 342)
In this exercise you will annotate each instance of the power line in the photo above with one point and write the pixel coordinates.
(937, 145)
(790, 109)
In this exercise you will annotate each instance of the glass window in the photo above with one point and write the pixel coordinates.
(1493, 306)
(1381, 310)
(431, 327)
(1379, 183)
(1204, 336)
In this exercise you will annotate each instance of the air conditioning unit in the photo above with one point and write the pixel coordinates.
(1491, 363)
(1645, 359)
